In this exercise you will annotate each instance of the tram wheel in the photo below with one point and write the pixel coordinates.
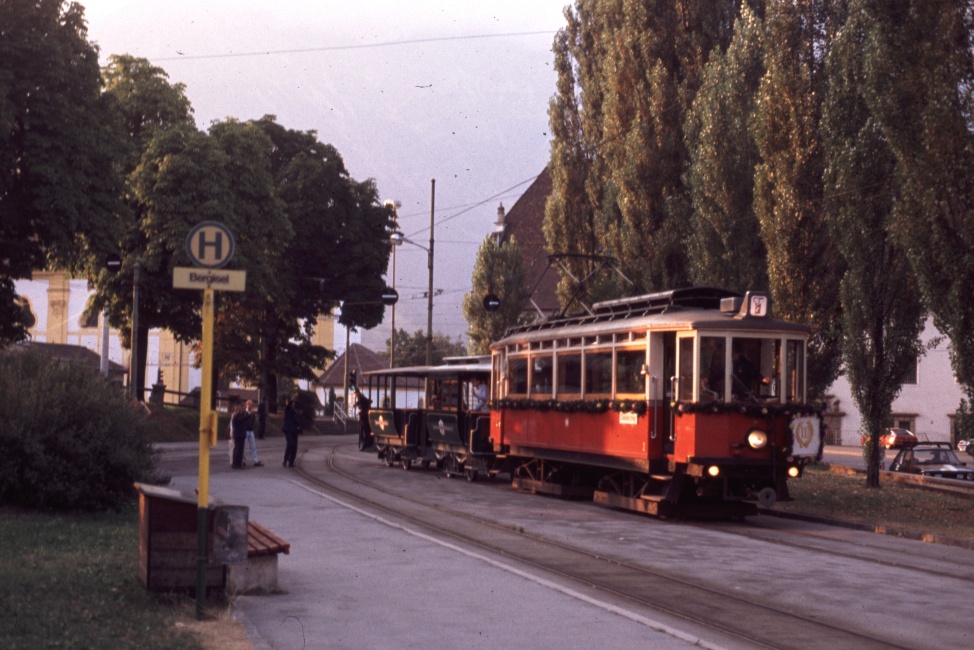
(390, 459)
(406, 463)
(471, 475)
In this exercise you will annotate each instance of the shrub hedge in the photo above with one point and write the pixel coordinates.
(69, 439)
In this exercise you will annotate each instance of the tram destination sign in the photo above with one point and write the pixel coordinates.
(217, 279)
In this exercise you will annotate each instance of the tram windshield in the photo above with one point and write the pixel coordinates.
(742, 368)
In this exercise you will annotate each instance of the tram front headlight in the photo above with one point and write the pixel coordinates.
(757, 439)
(713, 470)
(793, 472)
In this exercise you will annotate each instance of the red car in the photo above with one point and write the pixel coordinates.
(896, 438)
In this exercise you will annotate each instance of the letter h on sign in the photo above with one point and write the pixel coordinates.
(203, 244)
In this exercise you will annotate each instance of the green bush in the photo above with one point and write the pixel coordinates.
(69, 439)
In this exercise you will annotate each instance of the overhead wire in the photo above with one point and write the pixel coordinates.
(337, 48)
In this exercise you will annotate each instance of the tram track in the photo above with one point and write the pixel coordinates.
(720, 609)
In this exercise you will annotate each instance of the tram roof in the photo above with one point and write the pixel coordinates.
(677, 309)
(451, 368)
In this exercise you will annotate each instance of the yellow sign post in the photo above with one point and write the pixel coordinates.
(207, 440)
(210, 245)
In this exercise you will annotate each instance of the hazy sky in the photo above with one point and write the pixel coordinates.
(406, 91)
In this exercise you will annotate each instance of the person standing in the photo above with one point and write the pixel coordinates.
(238, 433)
(480, 395)
(251, 442)
(365, 431)
(291, 428)
(261, 418)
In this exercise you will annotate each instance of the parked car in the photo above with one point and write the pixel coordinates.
(897, 438)
(931, 459)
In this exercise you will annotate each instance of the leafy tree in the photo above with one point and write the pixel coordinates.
(499, 270)
(628, 73)
(411, 348)
(181, 180)
(918, 82)
(58, 181)
(144, 107)
(653, 70)
(337, 255)
(725, 248)
(571, 224)
(803, 267)
(881, 309)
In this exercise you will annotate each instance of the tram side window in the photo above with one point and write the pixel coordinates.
(629, 375)
(450, 390)
(542, 375)
(795, 372)
(598, 373)
(685, 388)
(570, 374)
(518, 370)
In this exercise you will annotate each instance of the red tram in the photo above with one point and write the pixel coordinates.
(685, 402)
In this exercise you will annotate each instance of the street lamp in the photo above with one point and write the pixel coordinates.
(397, 239)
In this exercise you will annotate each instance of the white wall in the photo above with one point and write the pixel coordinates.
(931, 400)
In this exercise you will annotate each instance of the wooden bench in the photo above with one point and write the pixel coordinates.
(259, 573)
(261, 541)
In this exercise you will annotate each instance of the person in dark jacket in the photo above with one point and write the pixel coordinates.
(365, 431)
(238, 432)
(291, 428)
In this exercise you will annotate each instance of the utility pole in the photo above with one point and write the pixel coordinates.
(429, 296)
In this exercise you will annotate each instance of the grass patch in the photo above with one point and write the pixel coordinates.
(894, 505)
(71, 581)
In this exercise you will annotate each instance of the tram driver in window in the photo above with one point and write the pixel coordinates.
(746, 376)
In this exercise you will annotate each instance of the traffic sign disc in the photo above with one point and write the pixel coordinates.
(210, 245)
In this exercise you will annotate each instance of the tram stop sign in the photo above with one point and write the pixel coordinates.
(492, 302)
(210, 245)
(389, 296)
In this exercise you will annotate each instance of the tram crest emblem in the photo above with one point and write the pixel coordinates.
(805, 432)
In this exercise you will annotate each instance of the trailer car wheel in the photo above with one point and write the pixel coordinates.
(390, 459)
(471, 475)
(406, 463)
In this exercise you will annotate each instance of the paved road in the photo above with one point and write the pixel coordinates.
(355, 579)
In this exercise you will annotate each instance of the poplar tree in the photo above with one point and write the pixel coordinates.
(918, 81)
(882, 314)
(498, 271)
(725, 248)
(628, 73)
(803, 267)
(572, 223)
